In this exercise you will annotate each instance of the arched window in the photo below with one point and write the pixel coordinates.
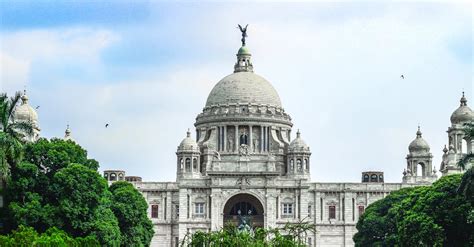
(464, 146)
(420, 169)
(113, 177)
(298, 165)
(195, 163)
(306, 166)
(181, 163)
(243, 139)
(381, 178)
(366, 178)
(292, 165)
(188, 165)
(373, 178)
(106, 176)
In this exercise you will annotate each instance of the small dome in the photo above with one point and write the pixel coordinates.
(298, 144)
(463, 114)
(243, 88)
(243, 51)
(188, 144)
(419, 144)
(24, 112)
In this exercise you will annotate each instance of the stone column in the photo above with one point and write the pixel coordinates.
(183, 212)
(250, 143)
(236, 146)
(262, 141)
(225, 138)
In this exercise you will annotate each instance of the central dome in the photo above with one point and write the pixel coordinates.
(243, 88)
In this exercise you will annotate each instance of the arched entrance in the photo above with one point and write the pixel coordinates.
(244, 205)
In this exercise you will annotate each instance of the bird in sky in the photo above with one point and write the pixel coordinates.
(402, 76)
(37, 107)
(106, 125)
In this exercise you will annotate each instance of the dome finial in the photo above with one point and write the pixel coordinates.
(418, 133)
(463, 100)
(298, 134)
(24, 97)
(188, 133)
(243, 63)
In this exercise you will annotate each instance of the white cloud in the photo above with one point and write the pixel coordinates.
(19, 50)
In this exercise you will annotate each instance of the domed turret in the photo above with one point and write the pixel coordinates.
(298, 144)
(419, 162)
(25, 113)
(188, 154)
(463, 114)
(419, 144)
(188, 144)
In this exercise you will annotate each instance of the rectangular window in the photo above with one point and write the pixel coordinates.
(287, 208)
(361, 210)
(332, 212)
(154, 211)
(199, 208)
(176, 211)
(309, 210)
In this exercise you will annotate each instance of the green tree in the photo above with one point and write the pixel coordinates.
(11, 134)
(130, 208)
(435, 215)
(83, 204)
(377, 226)
(52, 155)
(27, 236)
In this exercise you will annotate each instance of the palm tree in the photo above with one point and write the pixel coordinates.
(11, 134)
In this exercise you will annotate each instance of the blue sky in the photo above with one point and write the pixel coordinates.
(146, 67)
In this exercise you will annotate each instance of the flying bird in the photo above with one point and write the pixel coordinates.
(402, 76)
(106, 125)
(37, 107)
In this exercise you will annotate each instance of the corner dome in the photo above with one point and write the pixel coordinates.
(25, 113)
(188, 144)
(298, 144)
(419, 144)
(463, 114)
(243, 88)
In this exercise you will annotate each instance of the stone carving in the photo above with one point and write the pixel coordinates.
(242, 181)
(217, 155)
(244, 33)
(244, 150)
(255, 145)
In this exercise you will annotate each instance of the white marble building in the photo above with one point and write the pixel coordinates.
(243, 158)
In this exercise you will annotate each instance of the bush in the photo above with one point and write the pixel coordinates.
(27, 236)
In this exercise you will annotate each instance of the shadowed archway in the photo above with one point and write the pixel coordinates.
(244, 205)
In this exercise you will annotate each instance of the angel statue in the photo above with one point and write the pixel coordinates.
(244, 33)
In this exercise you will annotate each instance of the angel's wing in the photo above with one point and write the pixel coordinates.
(240, 27)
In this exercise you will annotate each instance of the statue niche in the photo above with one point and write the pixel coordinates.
(243, 136)
(230, 140)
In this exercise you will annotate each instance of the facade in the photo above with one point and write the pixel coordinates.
(243, 161)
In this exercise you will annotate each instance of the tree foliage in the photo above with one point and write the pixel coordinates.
(11, 134)
(53, 191)
(291, 235)
(130, 208)
(27, 236)
(435, 215)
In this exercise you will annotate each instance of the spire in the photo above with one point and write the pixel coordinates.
(243, 63)
(188, 133)
(298, 134)
(445, 149)
(463, 100)
(24, 98)
(418, 133)
(67, 134)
